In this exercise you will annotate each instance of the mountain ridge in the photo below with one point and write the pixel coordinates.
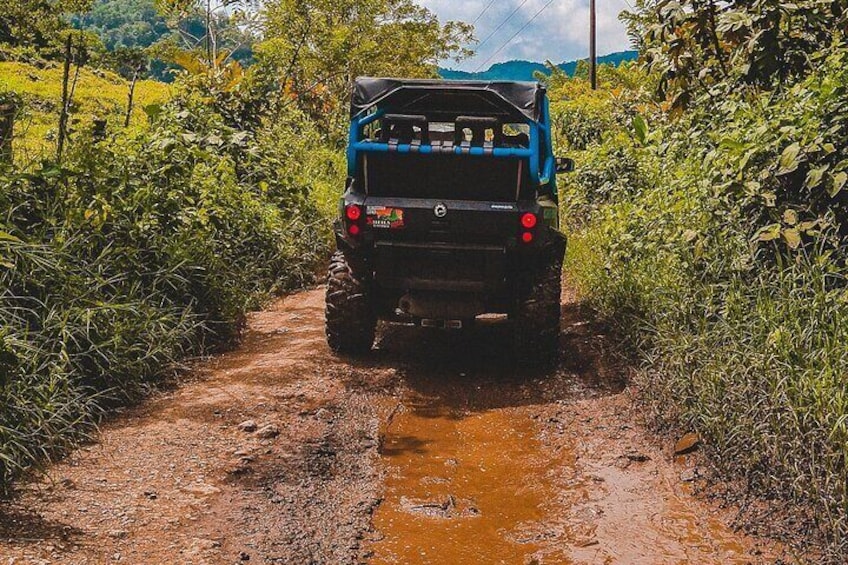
(522, 70)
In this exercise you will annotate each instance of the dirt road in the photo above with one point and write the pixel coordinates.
(432, 450)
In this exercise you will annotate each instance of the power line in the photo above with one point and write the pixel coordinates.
(516, 34)
(486, 9)
(497, 29)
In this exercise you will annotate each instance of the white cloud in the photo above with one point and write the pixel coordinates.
(560, 33)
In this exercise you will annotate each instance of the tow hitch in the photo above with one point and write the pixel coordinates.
(441, 324)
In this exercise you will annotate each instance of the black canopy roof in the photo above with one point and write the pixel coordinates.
(448, 98)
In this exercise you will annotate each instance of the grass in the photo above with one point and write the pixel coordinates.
(99, 94)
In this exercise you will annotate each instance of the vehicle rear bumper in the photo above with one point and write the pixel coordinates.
(440, 267)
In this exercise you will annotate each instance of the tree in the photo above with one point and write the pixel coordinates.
(124, 23)
(165, 28)
(211, 26)
(696, 45)
(317, 48)
(36, 23)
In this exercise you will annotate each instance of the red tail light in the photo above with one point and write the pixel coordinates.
(527, 237)
(353, 212)
(529, 220)
(353, 230)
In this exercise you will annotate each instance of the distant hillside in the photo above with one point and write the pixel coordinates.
(98, 93)
(523, 70)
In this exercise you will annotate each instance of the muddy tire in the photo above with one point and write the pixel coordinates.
(537, 320)
(349, 317)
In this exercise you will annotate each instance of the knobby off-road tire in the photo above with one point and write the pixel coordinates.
(537, 320)
(350, 320)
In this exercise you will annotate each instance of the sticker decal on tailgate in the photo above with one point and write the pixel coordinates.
(382, 217)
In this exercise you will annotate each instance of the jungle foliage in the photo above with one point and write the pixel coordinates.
(710, 219)
(124, 23)
(147, 244)
(36, 24)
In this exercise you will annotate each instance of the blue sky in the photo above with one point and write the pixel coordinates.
(560, 33)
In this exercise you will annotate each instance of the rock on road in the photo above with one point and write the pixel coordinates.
(433, 449)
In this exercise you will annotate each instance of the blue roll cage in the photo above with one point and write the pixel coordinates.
(544, 172)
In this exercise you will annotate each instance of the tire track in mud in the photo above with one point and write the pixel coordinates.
(431, 450)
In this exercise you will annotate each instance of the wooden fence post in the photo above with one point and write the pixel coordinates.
(8, 111)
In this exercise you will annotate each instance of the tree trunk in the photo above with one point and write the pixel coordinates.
(63, 116)
(130, 99)
(719, 52)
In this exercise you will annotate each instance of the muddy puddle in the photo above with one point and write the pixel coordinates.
(461, 488)
(483, 488)
(486, 466)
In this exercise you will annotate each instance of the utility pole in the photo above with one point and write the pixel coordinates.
(593, 52)
(209, 32)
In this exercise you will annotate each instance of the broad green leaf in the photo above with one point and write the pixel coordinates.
(814, 177)
(839, 180)
(789, 159)
(153, 111)
(241, 138)
(743, 162)
(792, 237)
(790, 217)
(51, 172)
(640, 128)
(729, 143)
(769, 233)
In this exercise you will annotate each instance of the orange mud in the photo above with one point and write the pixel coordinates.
(432, 450)
(461, 488)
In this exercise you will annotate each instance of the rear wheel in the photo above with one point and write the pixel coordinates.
(350, 320)
(537, 320)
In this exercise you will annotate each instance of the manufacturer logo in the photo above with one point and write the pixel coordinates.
(440, 210)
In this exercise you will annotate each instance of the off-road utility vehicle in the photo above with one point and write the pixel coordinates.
(450, 213)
